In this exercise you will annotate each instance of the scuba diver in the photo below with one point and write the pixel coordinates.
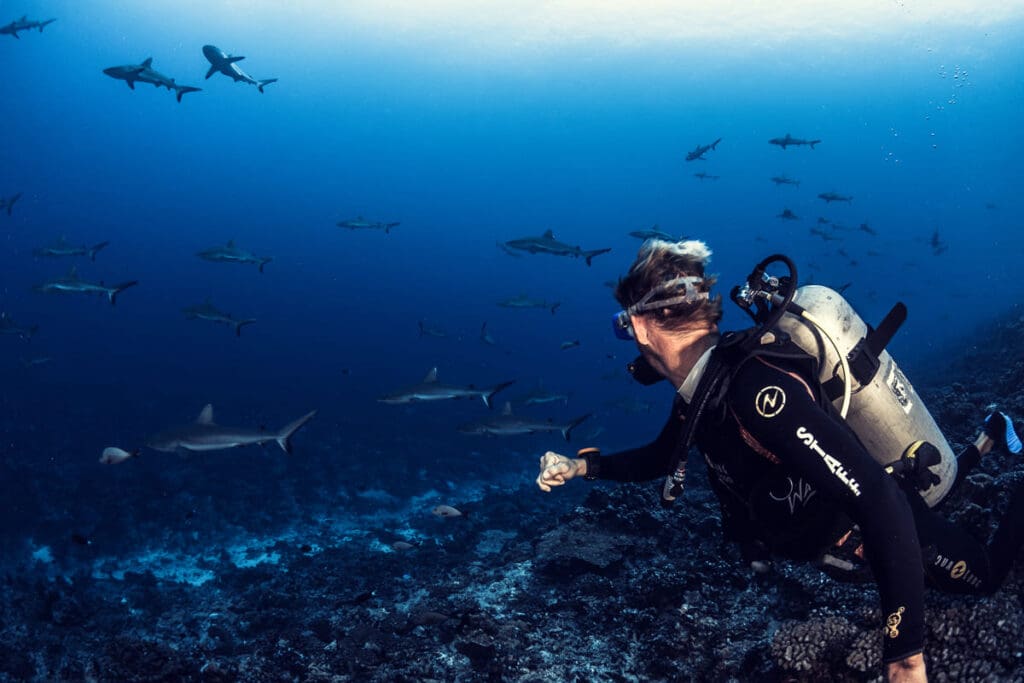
(796, 476)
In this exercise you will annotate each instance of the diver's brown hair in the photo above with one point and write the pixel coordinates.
(659, 261)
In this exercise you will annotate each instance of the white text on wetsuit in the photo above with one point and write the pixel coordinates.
(837, 468)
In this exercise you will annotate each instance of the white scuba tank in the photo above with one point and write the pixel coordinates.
(886, 413)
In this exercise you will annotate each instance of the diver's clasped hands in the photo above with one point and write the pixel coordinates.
(557, 469)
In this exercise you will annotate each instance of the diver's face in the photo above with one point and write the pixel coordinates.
(651, 341)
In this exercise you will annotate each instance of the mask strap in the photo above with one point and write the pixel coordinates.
(691, 295)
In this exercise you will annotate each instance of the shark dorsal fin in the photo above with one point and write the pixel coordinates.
(550, 234)
(506, 410)
(431, 376)
(147, 62)
(206, 415)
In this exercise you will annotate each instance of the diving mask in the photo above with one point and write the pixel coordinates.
(622, 326)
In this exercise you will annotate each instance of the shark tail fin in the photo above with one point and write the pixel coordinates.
(554, 307)
(489, 396)
(574, 424)
(93, 250)
(264, 261)
(117, 289)
(10, 202)
(388, 226)
(283, 437)
(241, 323)
(814, 142)
(595, 252)
(30, 332)
(183, 89)
(268, 81)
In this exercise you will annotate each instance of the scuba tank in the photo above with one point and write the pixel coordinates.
(856, 372)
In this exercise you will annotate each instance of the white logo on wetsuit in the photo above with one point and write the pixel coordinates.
(770, 401)
(799, 492)
(834, 465)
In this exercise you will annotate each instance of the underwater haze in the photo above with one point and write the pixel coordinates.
(468, 125)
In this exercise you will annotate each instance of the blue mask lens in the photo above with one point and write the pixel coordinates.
(622, 327)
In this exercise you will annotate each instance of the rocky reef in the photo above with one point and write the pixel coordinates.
(595, 582)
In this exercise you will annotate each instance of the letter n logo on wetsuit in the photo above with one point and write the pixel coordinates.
(770, 401)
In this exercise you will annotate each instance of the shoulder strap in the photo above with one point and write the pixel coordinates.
(716, 372)
(732, 351)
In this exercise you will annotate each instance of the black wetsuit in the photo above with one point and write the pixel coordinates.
(793, 478)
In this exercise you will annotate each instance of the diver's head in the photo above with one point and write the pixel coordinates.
(667, 285)
(667, 304)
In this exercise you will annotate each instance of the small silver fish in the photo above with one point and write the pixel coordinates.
(446, 511)
(113, 455)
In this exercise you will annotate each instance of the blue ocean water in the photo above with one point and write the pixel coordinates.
(467, 140)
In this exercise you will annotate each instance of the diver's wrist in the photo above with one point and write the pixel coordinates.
(580, 465)
(587, 465)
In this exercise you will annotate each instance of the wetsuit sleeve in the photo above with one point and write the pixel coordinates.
(646, 462)
(779, 416)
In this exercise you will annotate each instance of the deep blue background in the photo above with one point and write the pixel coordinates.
(588, 142)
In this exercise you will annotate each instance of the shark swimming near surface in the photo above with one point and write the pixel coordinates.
(700, 150)
(547, 244)
(8, 204)
(507, 424)
(830, 197)
(145, 73)
(229, 253)
(206, 435)
(430, 389)
(360, 223)
(24, 24)
(428, 330)
(785, 180)
(207, 311)
(789, 140)
(523, 301)
(228, 65)
(541, 395)
(654, 233)
(72, 284)
(62, 248)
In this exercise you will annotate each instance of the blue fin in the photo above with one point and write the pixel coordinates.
(1000, 429)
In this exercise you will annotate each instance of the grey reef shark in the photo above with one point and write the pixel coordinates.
(145, 73)
(227, 64)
